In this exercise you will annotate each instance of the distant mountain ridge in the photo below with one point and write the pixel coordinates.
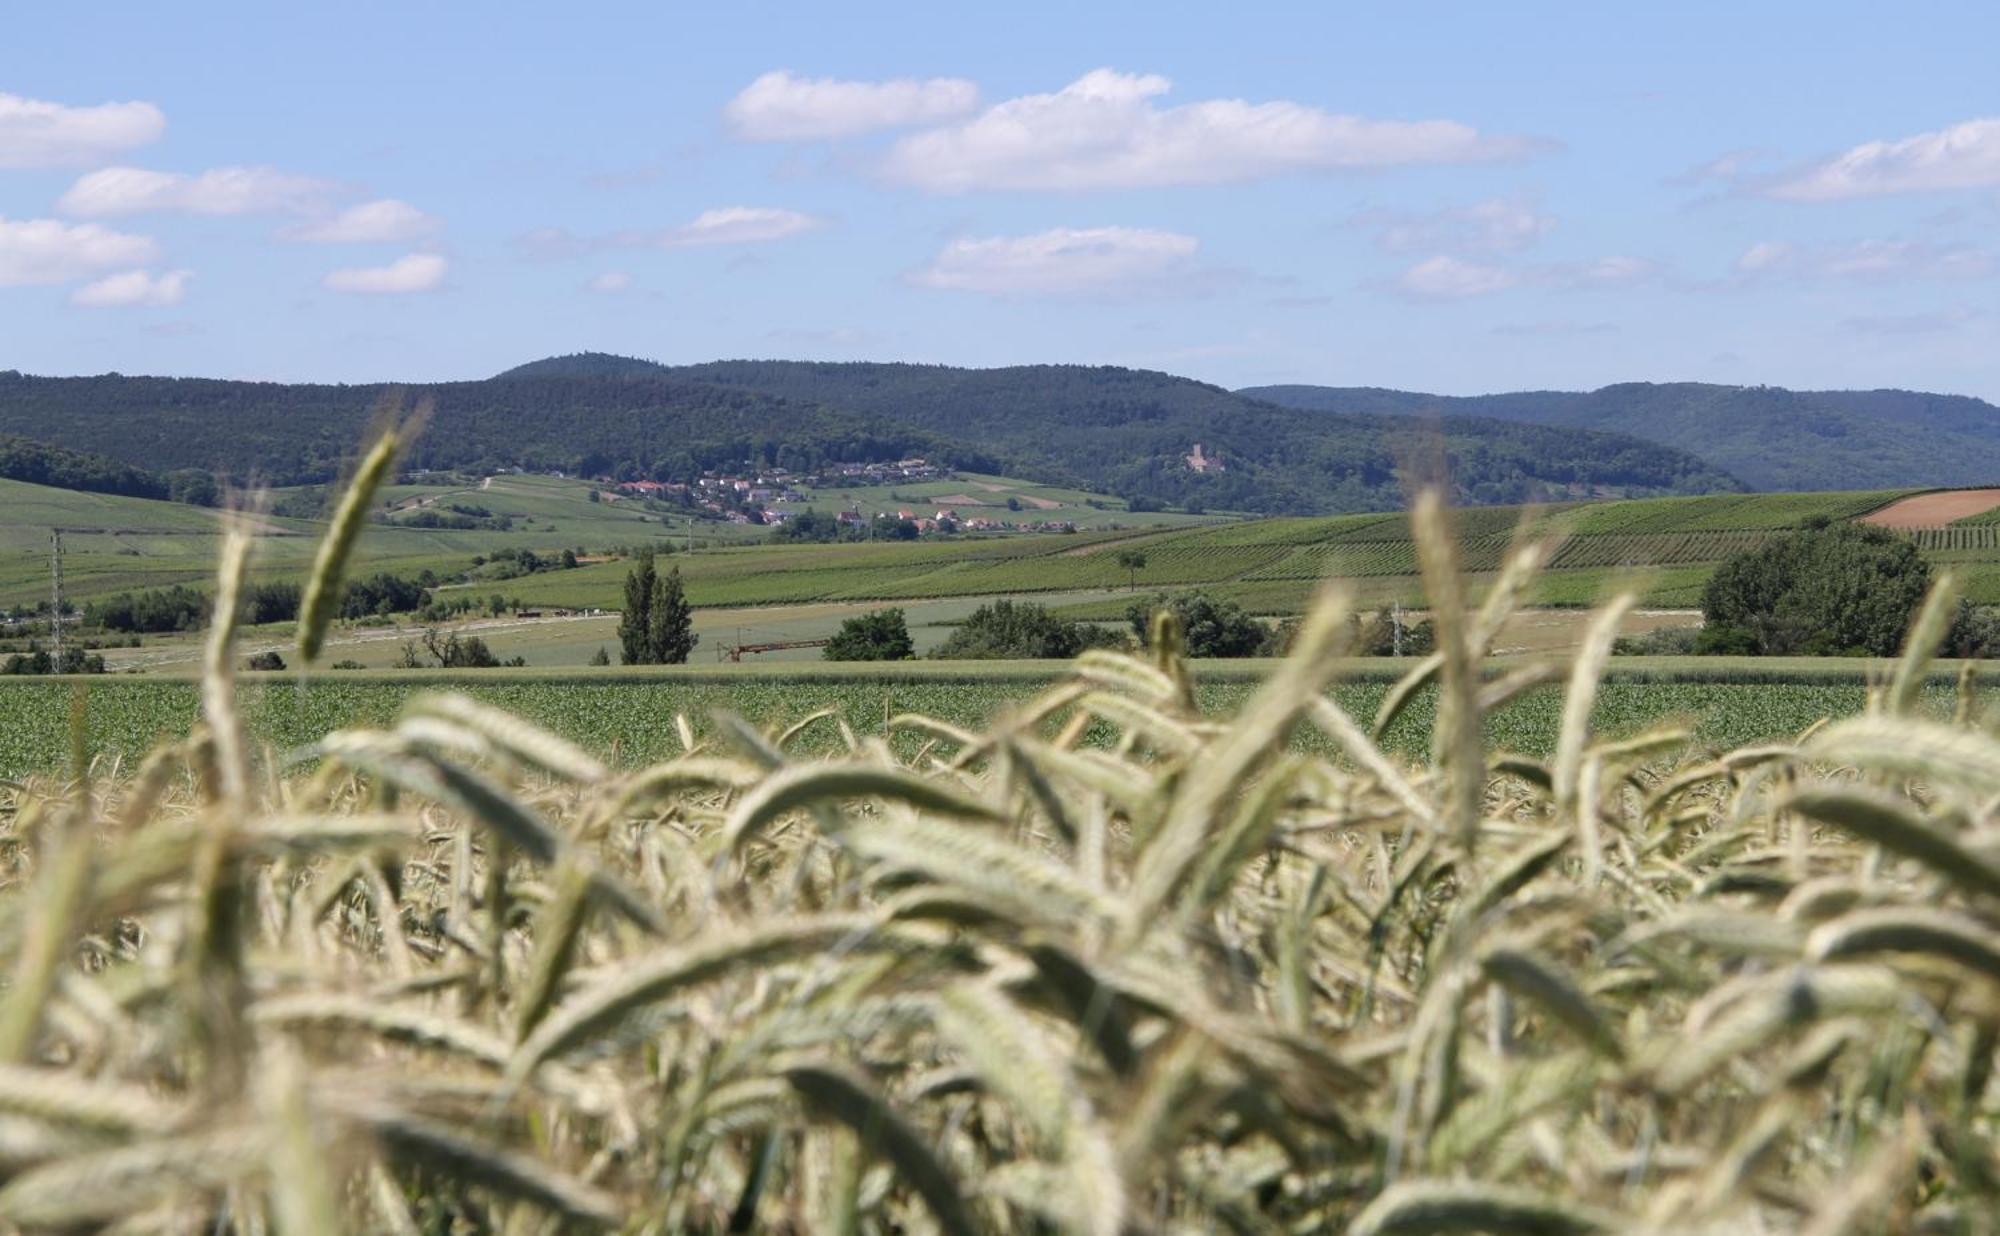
(1771, 437)
(1131, 432)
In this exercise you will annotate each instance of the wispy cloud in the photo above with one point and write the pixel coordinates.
(134, 289)
(118, 191)
(386, 221)
(1445, 277)
(415, 272)
(783, 107)
(34, 133)
(1448, 278)
(1963, 156)
(1064, 262)
(1880, 261)
(729, 225)
(1496, 225)
(1105, 131)
(724, 225)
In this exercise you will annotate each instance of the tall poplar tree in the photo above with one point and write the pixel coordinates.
(635, 640)
(671, 621)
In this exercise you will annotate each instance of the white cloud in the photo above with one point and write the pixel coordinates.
(780, 107)
(610, 283)
(1103, 131)
(727, 225)
(1448, 278)
(1618, 270)
(386, 221)
(50, 251)
(415, 272)
(134, 289)
(1964, 156)
(1497, 225)
(1096, 261)
(1881, 261)
(114, 191)
(38, 134)
(1766, 255)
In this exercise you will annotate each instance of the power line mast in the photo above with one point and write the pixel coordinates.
(55, 592)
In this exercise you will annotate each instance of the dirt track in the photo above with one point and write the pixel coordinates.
(1934, 510)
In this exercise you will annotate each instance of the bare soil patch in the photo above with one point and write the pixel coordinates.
(1934, 510)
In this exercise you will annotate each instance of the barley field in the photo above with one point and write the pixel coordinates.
(455, 972)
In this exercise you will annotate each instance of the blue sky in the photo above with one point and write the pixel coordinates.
(1455, 198)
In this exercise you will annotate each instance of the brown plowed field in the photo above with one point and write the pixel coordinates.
(1934, 510)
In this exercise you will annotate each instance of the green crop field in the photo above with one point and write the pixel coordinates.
(628, 715)
(1664, 547)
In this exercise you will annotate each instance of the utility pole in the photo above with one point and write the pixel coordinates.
(55, 593)
(1396, 628)
(690, 534)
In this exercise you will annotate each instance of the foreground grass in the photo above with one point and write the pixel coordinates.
(1133, 956)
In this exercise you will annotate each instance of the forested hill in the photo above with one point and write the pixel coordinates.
(294, 433)
(1130, 432)
(1124, 431)
(1771, 437)
(43, 463)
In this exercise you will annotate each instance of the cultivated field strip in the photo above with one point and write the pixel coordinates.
(628, 719)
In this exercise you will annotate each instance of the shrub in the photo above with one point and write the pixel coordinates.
(1840, 589)
(41, 661)
(1211, 627)
(1003, 630)
(878, 636)
(268, 660)
(1660, 642)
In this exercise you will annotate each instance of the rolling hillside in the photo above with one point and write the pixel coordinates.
(1770, 437)
(1127, 432)
(295, 433)
(1132, 431)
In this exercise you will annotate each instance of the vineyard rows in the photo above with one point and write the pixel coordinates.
(1656, 549)
(1957, 536)
(1724, 512)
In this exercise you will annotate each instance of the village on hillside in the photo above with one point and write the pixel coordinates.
(761, 496)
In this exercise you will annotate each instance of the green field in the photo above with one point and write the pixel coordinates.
(116, 543)
(751, 592)
(627, 714)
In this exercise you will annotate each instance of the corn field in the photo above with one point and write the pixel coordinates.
(454, 974)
